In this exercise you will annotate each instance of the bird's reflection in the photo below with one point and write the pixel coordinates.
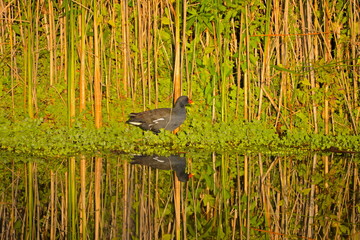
(174, 162)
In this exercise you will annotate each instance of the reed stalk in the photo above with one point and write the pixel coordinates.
(107, 69)
(265, 75)
(247, 190)
(97, 193)
(177, 52)
(327, 48)
(311, 203)
(276, 13)
(140, 46)
(150, 208)
(177, 198)
(52, 44)
(106, 219)
(30, 206)
(117, 203)
(82, 57)
(13, 73)
(136, 198)
(177, 93)
(142, 206)
(354, 211)
(29, 59)
(125, 215)
(72, 201)
(97, 67)
(238, 60)
(225, 190)
(52, 206)
(247, 73)
(125, 46)
(239, 204)
(184, 41)
(71, 65)
(284, 178)
(36, 205)
(184, 211)
(157, 213)
(64, 206)
(195, 41)
(311, 58)
(354, 17)
(13, 218)
(264, 193)
(155, 29)
(149, 51)
(225, 78)
(134, 82)
(82, 207)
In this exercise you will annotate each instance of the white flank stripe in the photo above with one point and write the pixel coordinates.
(135, 123)
(157, 159)
(157, 120)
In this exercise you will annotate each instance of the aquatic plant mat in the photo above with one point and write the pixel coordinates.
(34, 138)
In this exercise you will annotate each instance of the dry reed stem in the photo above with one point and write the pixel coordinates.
(97, 193)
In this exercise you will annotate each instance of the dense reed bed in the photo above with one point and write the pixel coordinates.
(289, 64)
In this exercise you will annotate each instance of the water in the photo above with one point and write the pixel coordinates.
(230, 196)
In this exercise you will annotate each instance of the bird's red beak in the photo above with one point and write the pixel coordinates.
(191, 101)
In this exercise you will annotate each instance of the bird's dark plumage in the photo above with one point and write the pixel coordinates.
(167, 118)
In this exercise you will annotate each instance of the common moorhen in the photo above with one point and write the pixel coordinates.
(173, 162)
(167, 118)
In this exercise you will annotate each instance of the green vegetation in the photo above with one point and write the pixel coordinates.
(84, 64)
(35, 138)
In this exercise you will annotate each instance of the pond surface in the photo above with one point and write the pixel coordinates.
(229, 196)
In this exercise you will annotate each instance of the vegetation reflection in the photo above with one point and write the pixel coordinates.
(238, 196)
